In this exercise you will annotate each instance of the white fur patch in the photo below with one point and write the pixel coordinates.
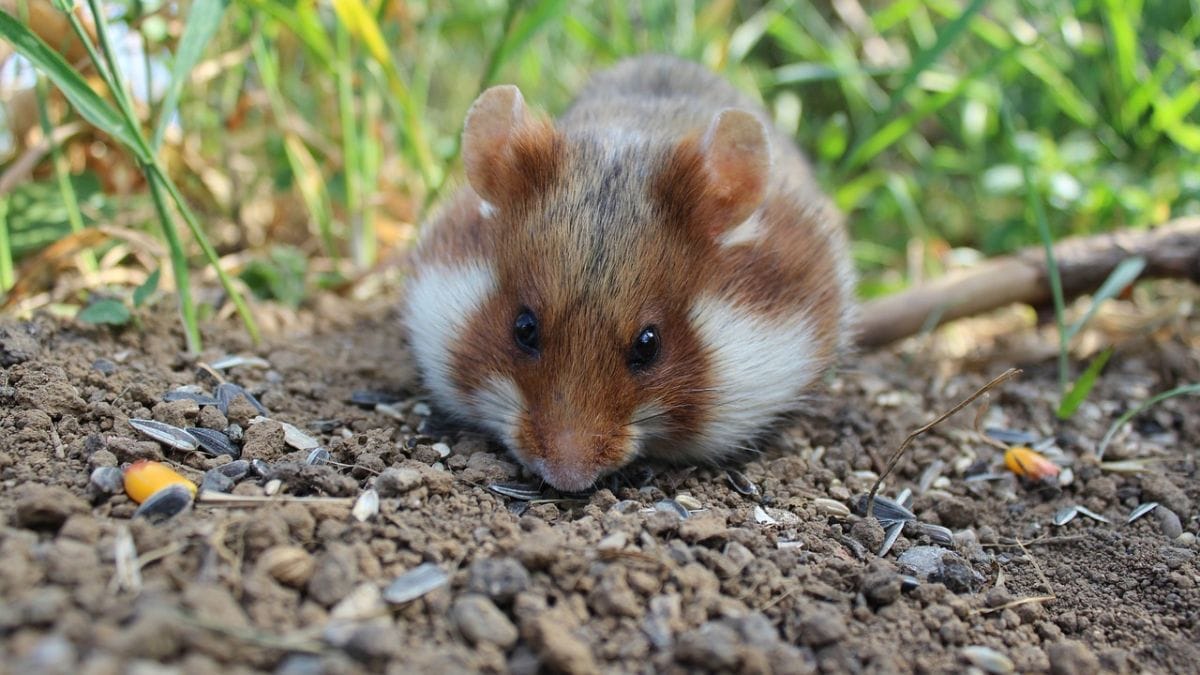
(498, 406)
(486, 209)
(441, 300)
(760, 369)
(648, 422)
(746, 233)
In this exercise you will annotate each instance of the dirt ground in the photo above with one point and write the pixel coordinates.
(783, 581)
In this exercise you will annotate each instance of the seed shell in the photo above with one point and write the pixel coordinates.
(1083, 511)
(165, 433)
(887, 511)
(366, 506)
(672, 506)
(317, 457)
(741, 483)
(1065, 515)
(214, 442)
(414, 583)
(522, 491)
(1142, 510)
(227, 392)
(988, 660)
(165, 504)
(234, 360)
(893, 533)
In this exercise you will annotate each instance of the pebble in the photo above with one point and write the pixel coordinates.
(1069, 657)
(821, 626)
(498, 578)
(712, 646)
(481, 622)
(335, 575)
(106, 480)
(394, 482)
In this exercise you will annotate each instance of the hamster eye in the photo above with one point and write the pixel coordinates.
(644, 350)
(525, 331)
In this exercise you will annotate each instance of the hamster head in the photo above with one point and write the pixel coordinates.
(558, 309)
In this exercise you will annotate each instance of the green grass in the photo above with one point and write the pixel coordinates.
(353, 108)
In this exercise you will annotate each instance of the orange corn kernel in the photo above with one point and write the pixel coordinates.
(143, 478)
(1028, 463)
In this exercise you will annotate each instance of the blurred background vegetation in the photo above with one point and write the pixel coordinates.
(306, 140)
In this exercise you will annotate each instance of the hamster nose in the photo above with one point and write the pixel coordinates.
(570, 465)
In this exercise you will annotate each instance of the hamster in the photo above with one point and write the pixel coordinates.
(655, 275)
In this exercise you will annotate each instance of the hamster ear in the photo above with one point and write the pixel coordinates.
(737, 159)
(504, 147)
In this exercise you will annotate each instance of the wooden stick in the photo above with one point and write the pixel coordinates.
(1172, 250)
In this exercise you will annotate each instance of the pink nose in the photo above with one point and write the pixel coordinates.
(569, 466)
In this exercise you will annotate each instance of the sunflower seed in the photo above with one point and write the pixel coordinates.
(389, 410)
(318, 457)
(1140, 511)
(1092, 514)
(214, 442)
(298, 439)
(905, 498)
(165, 434)
(414, 583)
(216, 481)
(1065, 515)
(938, 534)
(189, 393)
(688, 502)
(236, 469)
(233, 361)
(441, 449)
(365, 398)
(1011, 437)
(908, 582)
(743, 485)
(831, 507)
(672, 506)
(260, 468)
(886, 511)
(272, 487)
(324, 426)
(227, 392)
(893, 533)
(366, 506)
(522, 491)
(165, 504)
(931, 473)
(988, 660)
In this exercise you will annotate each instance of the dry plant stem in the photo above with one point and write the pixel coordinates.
(1172, 250)
(895, 458)
(1041, 575)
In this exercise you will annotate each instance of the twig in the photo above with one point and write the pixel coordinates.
(210, 498)
(1172, 250)
(895, 458)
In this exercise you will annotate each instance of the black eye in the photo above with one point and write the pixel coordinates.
(644, 350)
(525, 331)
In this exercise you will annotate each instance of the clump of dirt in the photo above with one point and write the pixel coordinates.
(450, 575)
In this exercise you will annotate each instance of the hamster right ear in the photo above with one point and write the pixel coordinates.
(506, 150)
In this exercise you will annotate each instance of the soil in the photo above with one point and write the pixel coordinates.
(785, 580)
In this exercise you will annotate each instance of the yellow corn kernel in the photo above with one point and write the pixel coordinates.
(144, 478)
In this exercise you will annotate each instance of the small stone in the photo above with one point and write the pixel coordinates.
(335, 575)
(395, 481)
(869, 533)
(44, 507)
(1158, 488)
(480, 621)
(1071, 658)
(498, 578)
(216, 481)
(713, 646)
(821, 626)
(560, 649)
(881, 587)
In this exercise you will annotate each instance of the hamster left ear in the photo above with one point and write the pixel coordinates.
(506, 149)
(737, 159)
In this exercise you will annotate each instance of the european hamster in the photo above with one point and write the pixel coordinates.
(656, 274)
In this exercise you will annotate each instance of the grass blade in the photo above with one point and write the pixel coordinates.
(1083, 386)
(1130, 414)
(1118, 280)
(926, 58)
(83, 98)
(202, 21)
(7, 277)
(63, 174)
